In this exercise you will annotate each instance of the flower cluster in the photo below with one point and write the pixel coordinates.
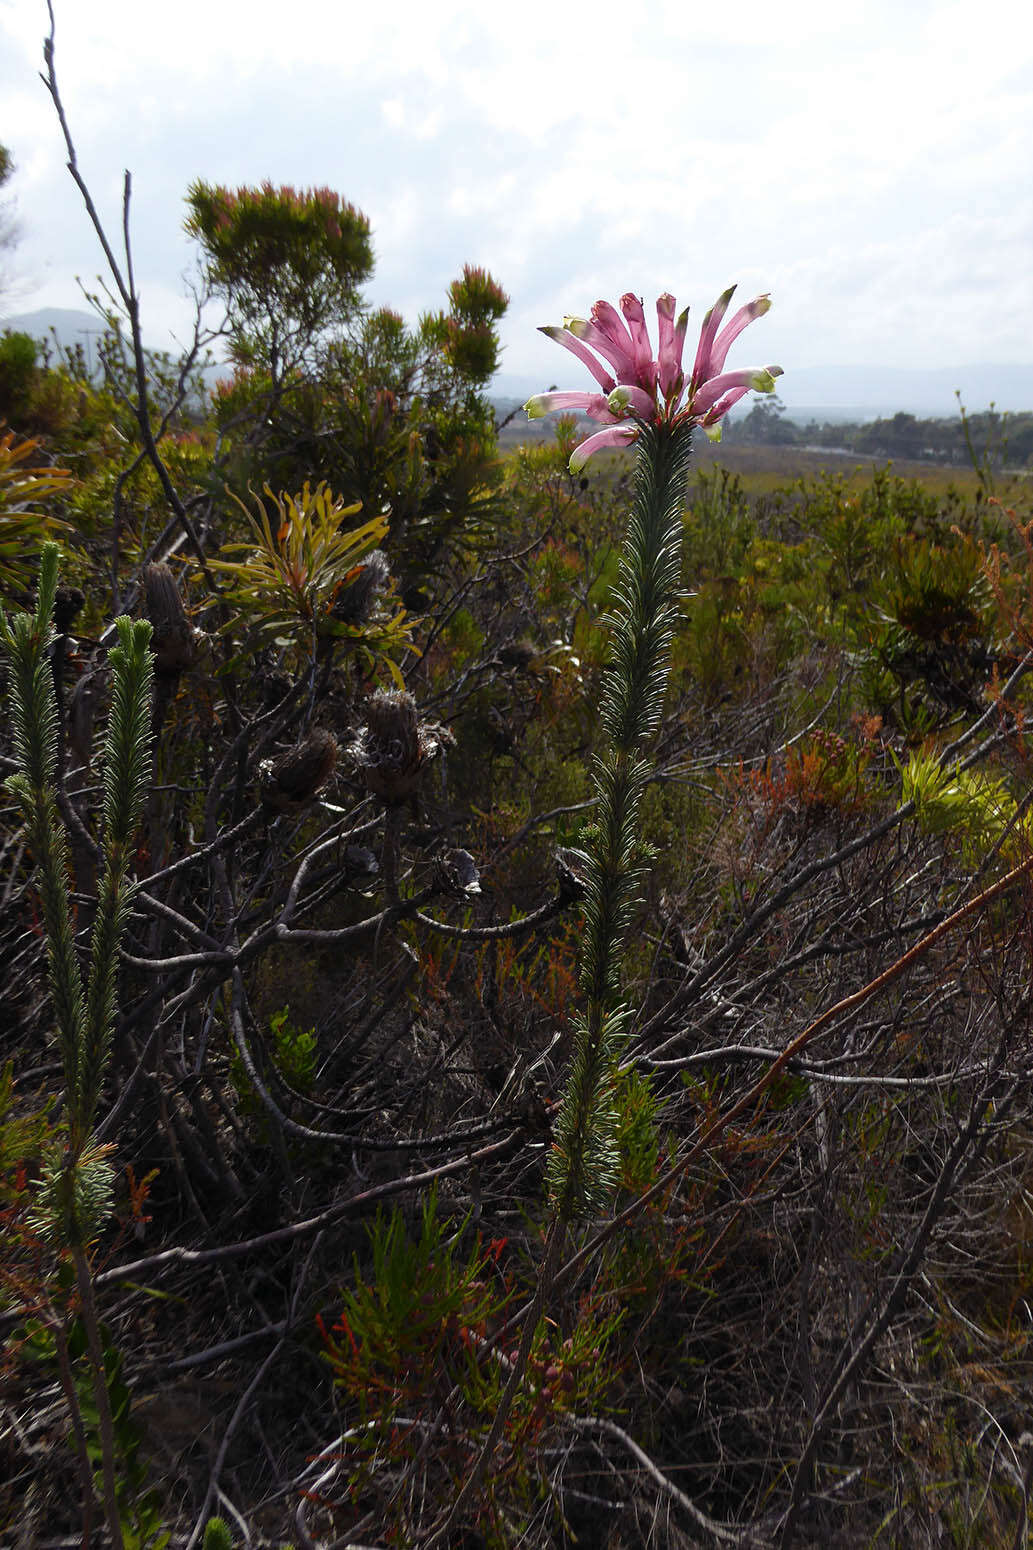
(636, 387)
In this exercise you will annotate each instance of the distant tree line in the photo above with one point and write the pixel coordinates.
(954, 440)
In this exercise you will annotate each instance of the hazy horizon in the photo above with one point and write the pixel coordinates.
(840, 391)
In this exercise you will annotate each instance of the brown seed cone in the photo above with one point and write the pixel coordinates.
(291, 781)
(174, 641)
(68, 602)
(395, 745)
(354, 602)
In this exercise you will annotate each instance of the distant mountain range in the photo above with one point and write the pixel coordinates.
(71, 327)
(68, 325)
(808, 392)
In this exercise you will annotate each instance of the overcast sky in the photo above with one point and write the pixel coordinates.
(868, 164)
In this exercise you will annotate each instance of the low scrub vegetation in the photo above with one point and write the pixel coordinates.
(298, 864)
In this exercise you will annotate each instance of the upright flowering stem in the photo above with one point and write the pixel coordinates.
(583, 1165)
(655, 405)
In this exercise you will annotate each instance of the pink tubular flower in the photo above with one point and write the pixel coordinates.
(636, 387)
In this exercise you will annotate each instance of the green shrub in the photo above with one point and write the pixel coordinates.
(18, 376)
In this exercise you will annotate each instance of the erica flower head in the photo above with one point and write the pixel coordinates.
(636, 387)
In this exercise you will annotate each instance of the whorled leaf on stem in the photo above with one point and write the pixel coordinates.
(126, 773)
(75, 1196)
(584, 1163)
(76, 1188)
(26, 640)
(23, 485)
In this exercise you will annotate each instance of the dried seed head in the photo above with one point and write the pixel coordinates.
(68, 602)
(457, 872)
(174, 641)
(291, 781)
(355, 601)
(518, 654)
(394, 745)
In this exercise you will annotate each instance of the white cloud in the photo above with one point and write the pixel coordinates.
(868, 165)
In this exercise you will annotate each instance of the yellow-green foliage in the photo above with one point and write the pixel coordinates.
(637, 1139)
(970, 804)
(289, 580)
(462, 636)
(939, 592)
(24, 524)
